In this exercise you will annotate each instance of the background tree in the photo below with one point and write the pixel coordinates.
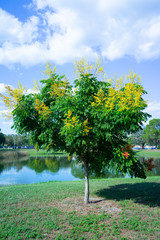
(9, 140)
(2, 138)
(16, 140)
(151, 133)
(137, 139)
(93, 121)
(20, 140)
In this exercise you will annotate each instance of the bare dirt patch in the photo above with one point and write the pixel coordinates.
(96, 206)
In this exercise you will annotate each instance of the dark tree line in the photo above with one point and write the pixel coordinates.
(2, 138)
(12, 140)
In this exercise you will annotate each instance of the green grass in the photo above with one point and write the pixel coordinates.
(33, 152)
(148, 153)
(42, 153)
(120, 209)
(7, 150)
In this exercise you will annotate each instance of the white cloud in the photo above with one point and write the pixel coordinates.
(153, 109)
(29, 91)
(3, 87)
(9, 123)
(68, 29)
(4, 112)
(12, 30)
(25, 54)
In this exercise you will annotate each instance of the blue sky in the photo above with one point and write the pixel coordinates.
(125, 34)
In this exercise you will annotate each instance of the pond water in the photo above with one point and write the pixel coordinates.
(24, 170)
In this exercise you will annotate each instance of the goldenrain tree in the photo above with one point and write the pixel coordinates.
(92, 120)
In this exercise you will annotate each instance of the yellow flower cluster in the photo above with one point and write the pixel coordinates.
(73, 121)
(41, 108)
(119, 83)
(58, 89)
(107, 101)
(48, 70)
(116, 83)
(85, 128)
(99, 98)
(125, 99)
(133, 77)
(36, 86)
(12, 97)
(112, 96)
(130, 98)
(69, 114)
(83, 67)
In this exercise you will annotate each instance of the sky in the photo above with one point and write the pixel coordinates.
(125, 34)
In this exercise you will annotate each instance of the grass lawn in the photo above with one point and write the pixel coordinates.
(148, 153)
(32, 152)
(44, 153)
(41, 153)
(120, 209)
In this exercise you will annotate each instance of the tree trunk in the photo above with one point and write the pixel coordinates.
(157, 142)
(86, 196)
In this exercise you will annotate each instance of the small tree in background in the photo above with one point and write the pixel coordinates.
(138, 138)
(16, 140)
(92, 121)
(151, 133)
(9, 140)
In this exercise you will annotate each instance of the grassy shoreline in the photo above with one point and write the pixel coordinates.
(148, 153)
(120, 209)
(30, 153)
(41, 153)
(33, 152)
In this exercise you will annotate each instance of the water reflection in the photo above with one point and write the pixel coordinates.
(50, 164)
(155, 171)
(77, 170)
(34, 170)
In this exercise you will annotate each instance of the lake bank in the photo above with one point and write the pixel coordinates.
(148, 153)
(41, 153)
(11, 155)
(32, 152)
(120, 209)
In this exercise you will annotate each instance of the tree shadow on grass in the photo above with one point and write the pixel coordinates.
(143, 193)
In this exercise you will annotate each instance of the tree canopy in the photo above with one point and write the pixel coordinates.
(92, 120)
(151, 133)
(2, 138)
(138, 138)
(16, 140)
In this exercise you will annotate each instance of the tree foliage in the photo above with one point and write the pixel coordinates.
(151, 133)
(2, 138)
(138, 138)
(16, 140)
(92, 121)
